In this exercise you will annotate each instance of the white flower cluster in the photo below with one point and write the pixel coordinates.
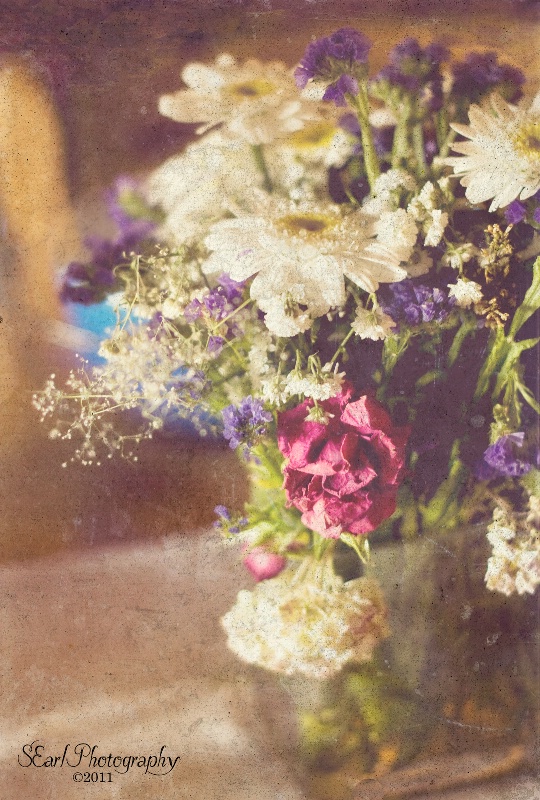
(372, 324)
(326, 383)
(306, 627)
(424, 209)
(390, 189)
(514, 566)
(465, 292)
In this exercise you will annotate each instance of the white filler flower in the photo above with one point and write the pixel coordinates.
(372, 324)
(501, 160)
(256, 102)
(466, 293)
(304, 628)
(514, 564)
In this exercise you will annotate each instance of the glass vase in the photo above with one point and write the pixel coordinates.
(458, 675)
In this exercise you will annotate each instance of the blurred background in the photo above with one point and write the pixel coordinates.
(79, 86)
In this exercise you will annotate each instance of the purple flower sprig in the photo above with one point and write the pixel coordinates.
(480, 73)
(413, 304)
(341, 62)
(91, 281)
(245, 424)
(217, 305)
(511, 456)
(227, 523)
(527, 211)
(413, 74)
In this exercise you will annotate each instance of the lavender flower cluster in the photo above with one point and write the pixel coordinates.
(90, 282)
(414, 303)
(416, 71)
(245, 423)
(216, 306)
(340, 59)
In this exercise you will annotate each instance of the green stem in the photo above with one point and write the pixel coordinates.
(419, 151)
(341, 347)
(258, 154)
(441, 128)
(467, 326)
(445, 149)
(360, 104)
(400, 144)
(531, 302)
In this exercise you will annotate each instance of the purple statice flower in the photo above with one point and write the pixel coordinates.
(339, 59)
(245, 423)
(226, 521)
(217, 303)
(515, 212)
(536, 215)
(194, 311)
(508, 457)
(481, 72)
(215, 306)
(337, 92)
(349, 122)
(414, 303)
(126, 206)
(223, 513)
(416, 70)
(216, 344)
(91, 282)
(233, 290)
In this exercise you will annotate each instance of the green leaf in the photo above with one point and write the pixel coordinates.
(528, 397)
(514, 351)
(433, 376)
(359, 544)
(531, 302)
(468, 325)
(531, 481)
(497, 351)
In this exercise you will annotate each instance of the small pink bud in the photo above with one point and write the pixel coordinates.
(264, 565)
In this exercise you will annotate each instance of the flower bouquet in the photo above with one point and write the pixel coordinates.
(339, 276)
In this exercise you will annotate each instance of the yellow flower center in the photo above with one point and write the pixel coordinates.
(249, 90)
(313, 135)
(527, 139)
(305, 224)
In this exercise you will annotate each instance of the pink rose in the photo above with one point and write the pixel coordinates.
(342, 476)
(264, 565)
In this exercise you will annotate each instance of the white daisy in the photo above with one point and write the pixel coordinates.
(501, 160)
(196, 187)
(300, 254)
(255, 102)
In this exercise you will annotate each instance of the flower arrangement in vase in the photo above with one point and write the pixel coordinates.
(340, 276)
